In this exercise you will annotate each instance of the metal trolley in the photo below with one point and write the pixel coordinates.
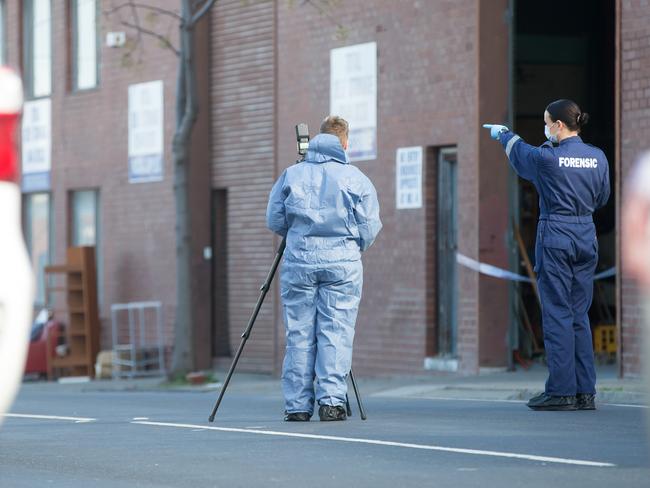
(138, 350)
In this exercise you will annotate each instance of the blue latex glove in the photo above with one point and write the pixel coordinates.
(495, 130)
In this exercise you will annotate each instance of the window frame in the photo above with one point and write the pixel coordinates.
(74, 43)
(72, 230)
(27, 232)
(3, 31)
(28, 51)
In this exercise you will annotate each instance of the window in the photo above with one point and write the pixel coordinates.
(86, 228)
(2, 32)
(85, 44)
(84, 218)
(38, 48)
(38, 238)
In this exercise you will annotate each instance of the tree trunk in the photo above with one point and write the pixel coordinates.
(186, 115)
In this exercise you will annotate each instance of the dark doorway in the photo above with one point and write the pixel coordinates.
(220, 322)
(566, 50)
(447, 240)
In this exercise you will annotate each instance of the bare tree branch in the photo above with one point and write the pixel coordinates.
(165, 42)
(326, 11)
(170, 27)
(131, 46)
(195, 5)
(138, 43)
(202, 11)
(137, 26)
(158, 10)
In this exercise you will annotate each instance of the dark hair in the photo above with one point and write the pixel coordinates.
(568, 112)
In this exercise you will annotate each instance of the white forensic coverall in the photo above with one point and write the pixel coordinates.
(329, 213)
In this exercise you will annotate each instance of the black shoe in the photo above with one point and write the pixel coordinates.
(328, 413)
(297, 417)
(548, 402)
(586, 401)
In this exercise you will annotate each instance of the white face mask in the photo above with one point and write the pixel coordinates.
(549, 136)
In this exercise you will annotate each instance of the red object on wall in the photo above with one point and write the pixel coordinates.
(37, 356)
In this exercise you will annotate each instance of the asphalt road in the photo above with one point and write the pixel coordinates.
(163, 439)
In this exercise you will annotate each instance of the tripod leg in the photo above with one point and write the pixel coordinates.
(227, 380)
(347, 405)
(362, 411)
(251, 321)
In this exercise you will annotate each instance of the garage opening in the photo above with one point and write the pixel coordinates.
(565, 50)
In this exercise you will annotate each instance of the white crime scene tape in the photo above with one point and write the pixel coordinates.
(504, 274)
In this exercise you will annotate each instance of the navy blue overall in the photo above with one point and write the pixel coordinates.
(572, 180)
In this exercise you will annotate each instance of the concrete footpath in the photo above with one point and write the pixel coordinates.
(519, 385)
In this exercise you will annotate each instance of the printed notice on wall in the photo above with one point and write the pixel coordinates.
(408, 173)
(37, 145)
(353, 96)
(146, 154)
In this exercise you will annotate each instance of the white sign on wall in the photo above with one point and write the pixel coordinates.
(36, 145)
(408, 173)
(146, 132)
(353, 96)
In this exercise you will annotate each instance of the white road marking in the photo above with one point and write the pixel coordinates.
(624, 405)
(491, 400)
(78, 420)
(452, 399)
(140, 418)
(478, 452)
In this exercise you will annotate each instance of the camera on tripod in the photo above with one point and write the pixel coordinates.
(302, 137)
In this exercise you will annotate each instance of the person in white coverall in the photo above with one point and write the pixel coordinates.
(329, 213)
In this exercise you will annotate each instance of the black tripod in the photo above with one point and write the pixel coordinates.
(302, 134)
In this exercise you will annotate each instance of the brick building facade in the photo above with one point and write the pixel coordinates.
(443, 68)
(633, 133)
(89, 152)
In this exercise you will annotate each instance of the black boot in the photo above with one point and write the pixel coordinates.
(328, 413)
(586, 401)
(297, 417)
(548, 402)
(537, 398)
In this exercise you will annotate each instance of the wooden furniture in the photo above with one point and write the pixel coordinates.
(72, 289)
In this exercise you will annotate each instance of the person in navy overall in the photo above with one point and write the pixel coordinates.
(572, 179)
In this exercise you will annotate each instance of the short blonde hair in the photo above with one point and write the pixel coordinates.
(337, 126)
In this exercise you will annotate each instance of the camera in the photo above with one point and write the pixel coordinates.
(302, 138)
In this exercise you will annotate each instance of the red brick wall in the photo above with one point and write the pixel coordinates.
(427, 88)
(243, 161)
(89, 150)
(493, 169)
(635, 138)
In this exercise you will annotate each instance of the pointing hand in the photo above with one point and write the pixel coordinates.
(495, 130)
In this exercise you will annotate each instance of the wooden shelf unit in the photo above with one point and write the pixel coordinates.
(77, 281)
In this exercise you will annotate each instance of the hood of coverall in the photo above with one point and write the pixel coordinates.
(326, 147)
